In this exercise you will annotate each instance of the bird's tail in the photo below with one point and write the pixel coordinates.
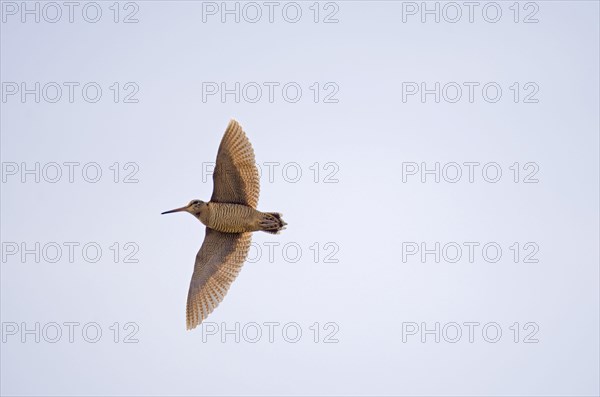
(271, 222)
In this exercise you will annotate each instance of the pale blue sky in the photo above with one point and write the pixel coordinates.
(369, 293)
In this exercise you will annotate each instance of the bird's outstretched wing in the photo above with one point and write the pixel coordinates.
(218, 262)
(235, 177)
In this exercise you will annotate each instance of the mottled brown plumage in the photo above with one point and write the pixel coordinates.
(230, 217)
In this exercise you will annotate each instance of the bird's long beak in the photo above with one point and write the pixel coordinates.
(175, 210)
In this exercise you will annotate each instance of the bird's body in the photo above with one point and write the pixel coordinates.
(230, 216)
(235, 218)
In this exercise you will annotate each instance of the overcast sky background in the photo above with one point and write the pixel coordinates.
(359, 290)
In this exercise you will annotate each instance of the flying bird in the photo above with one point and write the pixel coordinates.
(230, 218)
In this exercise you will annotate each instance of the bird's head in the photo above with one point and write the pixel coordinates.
(194, 207)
